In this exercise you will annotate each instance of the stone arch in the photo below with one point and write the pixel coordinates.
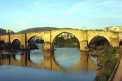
(2, 44)
(20, 37)
(70, 55)
(32, 37)
(16, 44)
(35, 34)
(97, 40)
(78, 41)
(80, 35)
(77, 33)
(107, 38)
(35, 55)
(35, 38)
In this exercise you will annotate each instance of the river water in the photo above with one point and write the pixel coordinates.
(65, 57)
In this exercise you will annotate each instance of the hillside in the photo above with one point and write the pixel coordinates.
(39, 29)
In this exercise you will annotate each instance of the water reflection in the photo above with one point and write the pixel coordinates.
(36, 55)
(71, 61)
(18, 56)
(67, 56)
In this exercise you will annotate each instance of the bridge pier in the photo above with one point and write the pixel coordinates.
(13, 59)
(84, 45)
(5, 59)
(25, 58)
(47, 62)
(55, 66)
(84, 60)
(49, 59)
(84, 54)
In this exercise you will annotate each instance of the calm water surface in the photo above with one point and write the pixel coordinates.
(65, 57)
(14, 73)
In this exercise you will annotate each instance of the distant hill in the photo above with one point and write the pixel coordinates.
(37, 29)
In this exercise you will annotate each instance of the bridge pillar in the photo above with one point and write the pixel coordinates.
(24, 58)
(84, 54)
(47, 63)
(47, 50)
(29, 61)
(47, 46)
(4, 59)
(12, 59)
(84, 45)
(25, 55)
(84, 60)
(49, 59)
(55, 65)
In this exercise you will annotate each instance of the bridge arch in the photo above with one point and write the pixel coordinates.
(80, 35)
(65, 34)
(34, 39)
(35, 44)
(2, 44)
(66, 42)
(16, 44)
(97, 41)
(77, 33)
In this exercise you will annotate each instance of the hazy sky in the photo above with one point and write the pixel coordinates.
(22, 14)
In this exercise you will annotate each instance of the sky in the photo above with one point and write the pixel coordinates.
(22, 14)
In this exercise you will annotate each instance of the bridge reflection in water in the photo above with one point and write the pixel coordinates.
(66, 64)
(77, 62)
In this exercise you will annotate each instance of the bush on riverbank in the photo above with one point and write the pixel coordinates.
(108, 60)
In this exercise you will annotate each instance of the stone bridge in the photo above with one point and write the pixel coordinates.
(84, 37)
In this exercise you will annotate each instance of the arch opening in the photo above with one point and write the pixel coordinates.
(16, 44)
(34, 41)
(98, 43)
(66, 39)
(2, 45)
(17, 56)
(35, 44)
(67, 52)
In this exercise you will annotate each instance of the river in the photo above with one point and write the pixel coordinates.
(65, 57)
